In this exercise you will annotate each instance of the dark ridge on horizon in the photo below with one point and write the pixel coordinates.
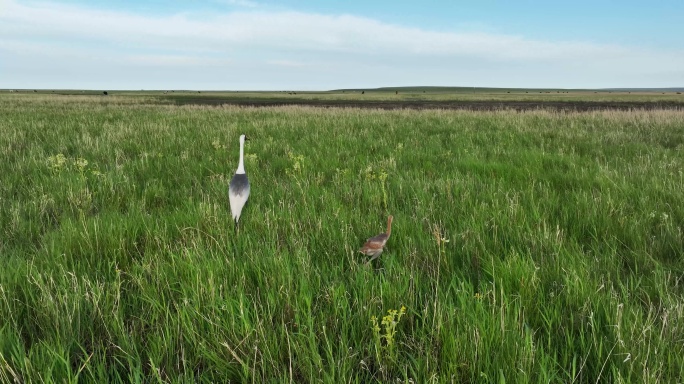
(503, 89)
(669, 89)
(409, 89)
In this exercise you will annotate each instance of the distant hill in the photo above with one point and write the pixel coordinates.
(644, 89)
(437, 89)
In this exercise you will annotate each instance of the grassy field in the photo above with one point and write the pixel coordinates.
(527, 247)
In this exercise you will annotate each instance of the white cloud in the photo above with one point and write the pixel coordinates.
(239, 3)
(289, 63)
(175, 61)
(294, 40)
(282, 30)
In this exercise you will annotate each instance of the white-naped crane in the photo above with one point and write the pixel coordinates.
(238, 190)
(374, 246)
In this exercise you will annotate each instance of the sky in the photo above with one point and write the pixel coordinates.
(323, 45)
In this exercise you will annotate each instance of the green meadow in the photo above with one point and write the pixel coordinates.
(527, 247)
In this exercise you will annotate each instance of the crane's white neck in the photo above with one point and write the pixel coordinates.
(241, 164)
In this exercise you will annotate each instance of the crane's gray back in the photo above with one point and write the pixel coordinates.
(239, 184)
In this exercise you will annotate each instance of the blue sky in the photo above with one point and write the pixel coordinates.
(320, 45)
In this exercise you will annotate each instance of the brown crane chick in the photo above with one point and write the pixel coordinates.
(374, 246)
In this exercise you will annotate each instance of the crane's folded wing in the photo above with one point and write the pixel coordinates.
(376, 241)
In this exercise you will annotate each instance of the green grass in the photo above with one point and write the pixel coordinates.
(527, 247)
